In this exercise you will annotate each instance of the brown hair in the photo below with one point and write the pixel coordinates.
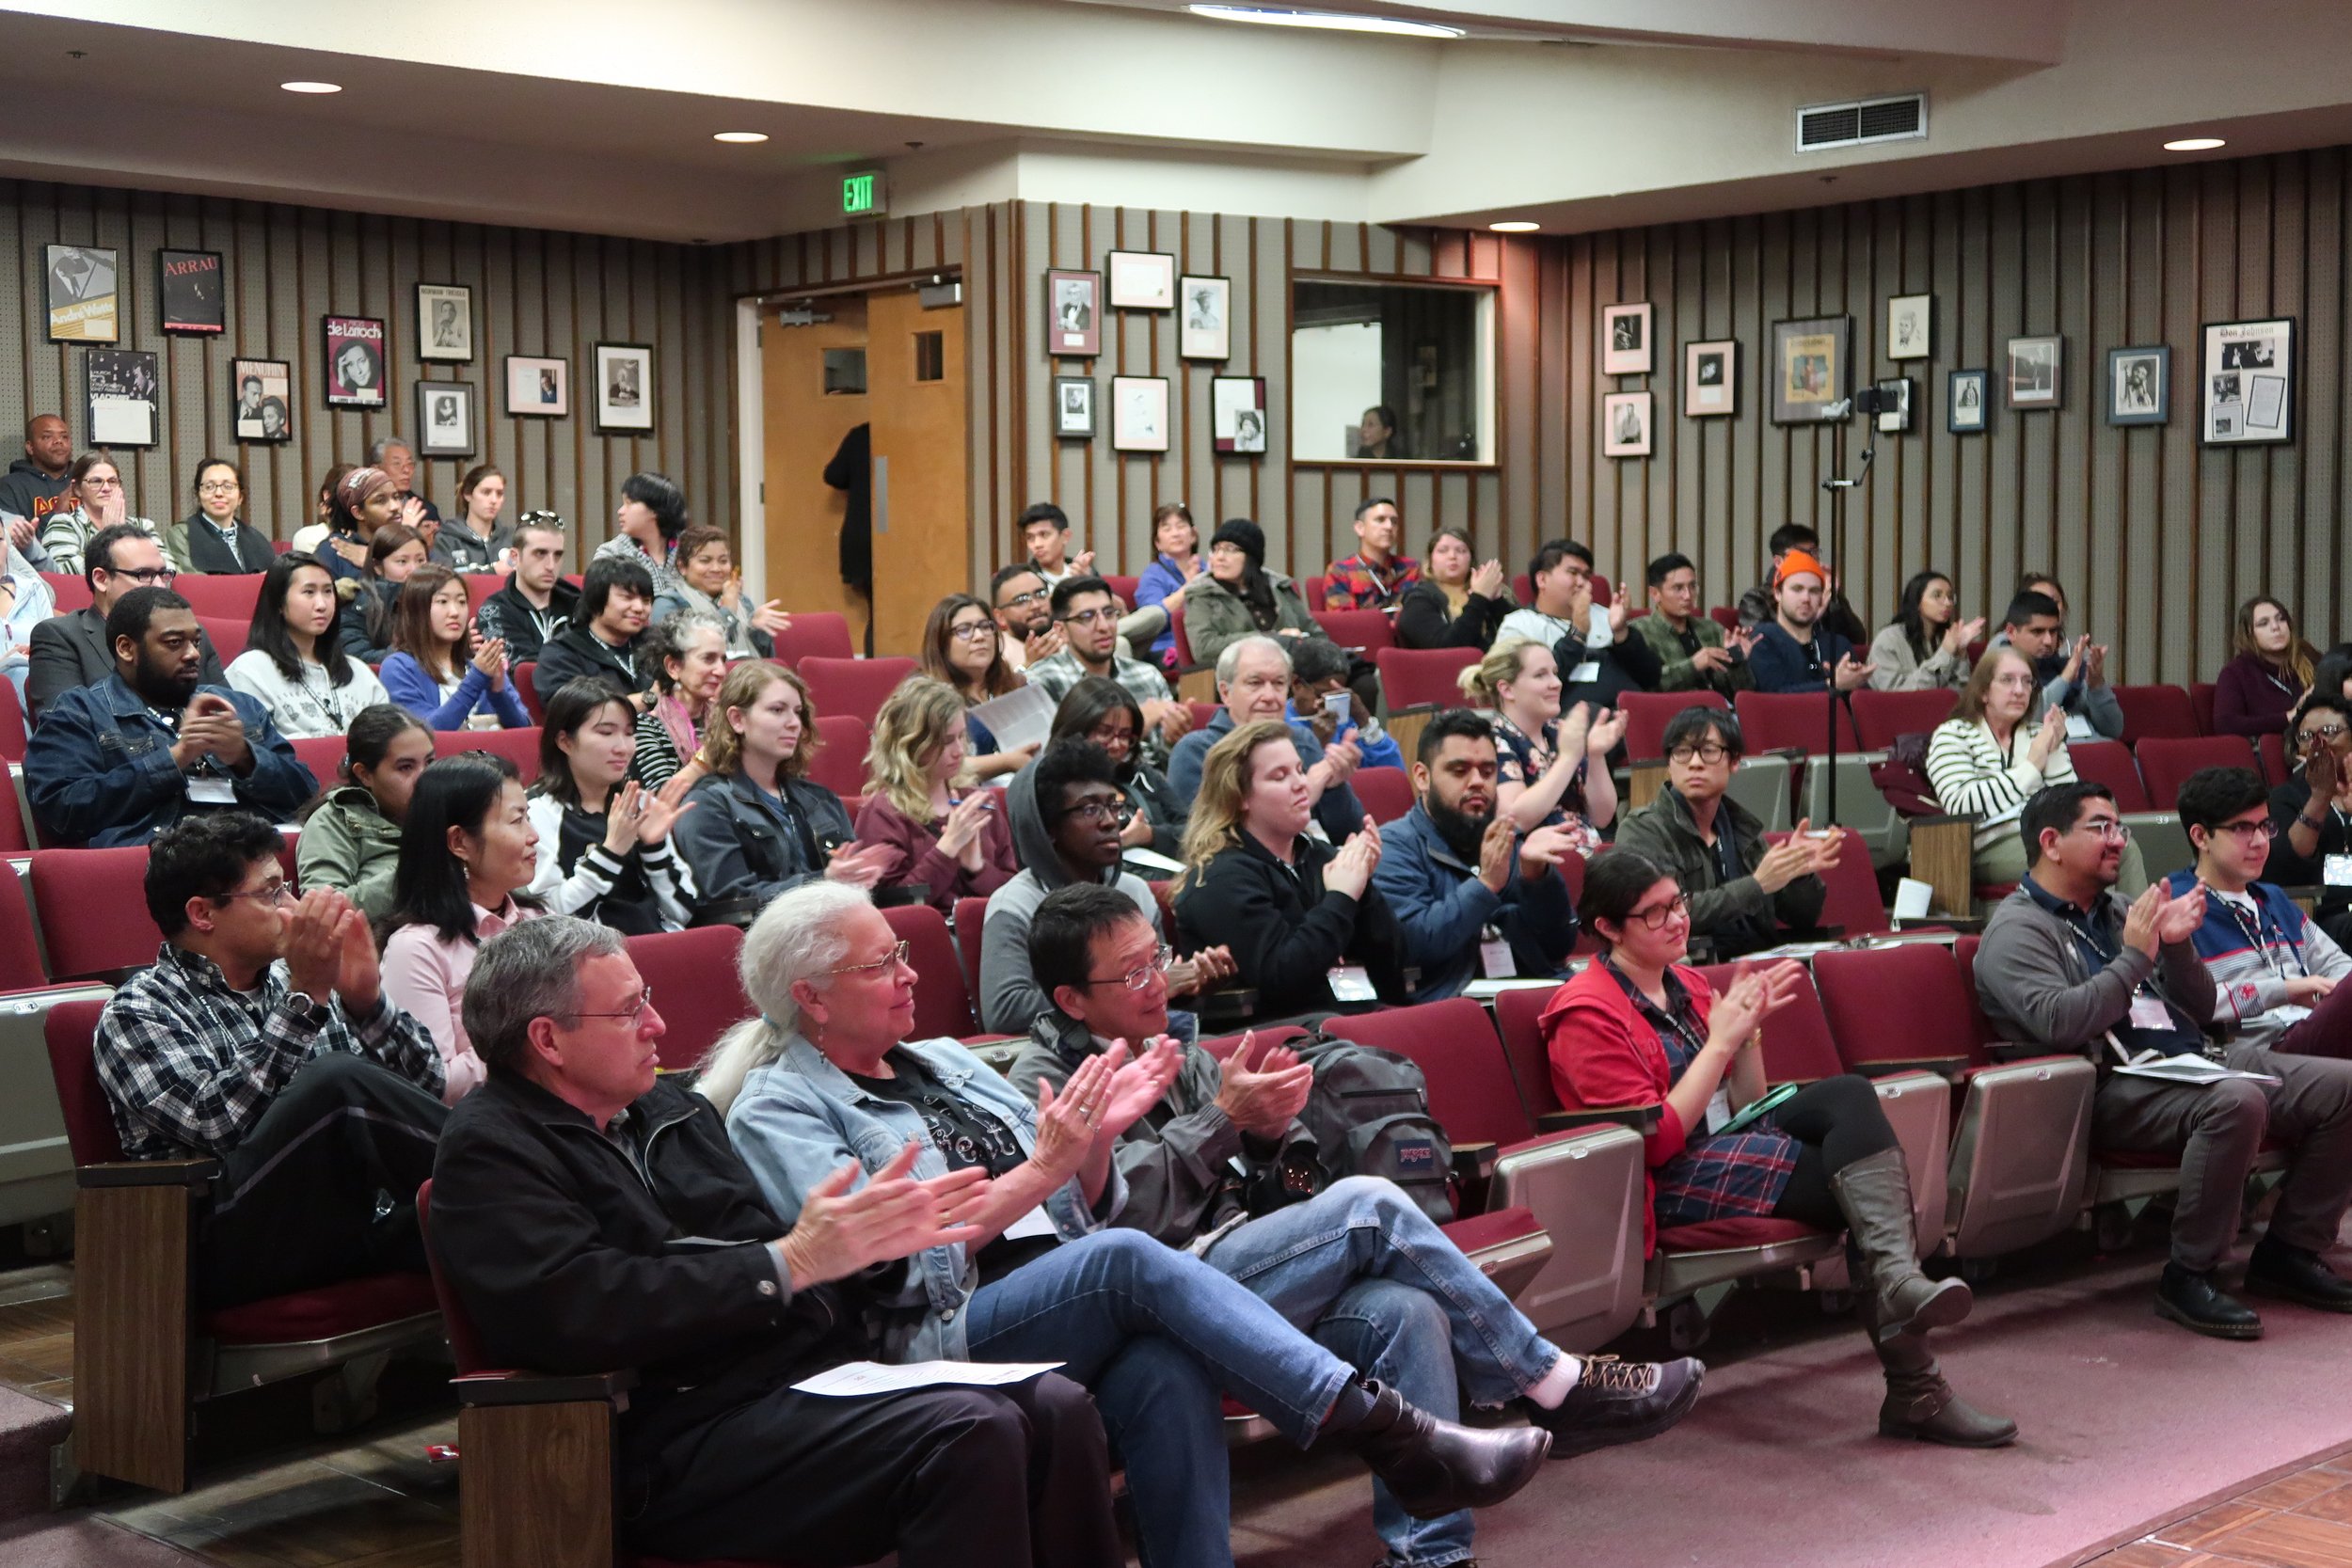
(472, 481)
(723, 748)
(915, 723)
(412, 621)
(1215, 826)
(1000, 678)
(696, 537)
(2302, 658)
(1970, 708)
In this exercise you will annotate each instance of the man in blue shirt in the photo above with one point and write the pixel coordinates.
(1794, 652)
(1253, 677)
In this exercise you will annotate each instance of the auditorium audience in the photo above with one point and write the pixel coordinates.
(1024, 620)
(36, 485)
(214, 539)
(568, 1262)
(689, 655)
(1319, 672)
(536, 601)
(430, 672)
(313, 535)
(71, 649)
(2071, 677)
(474, 538)
(370, 617)
(1925, 647)
(1240, 596)
(1087, 613)
(1554, 764)
(825, 1076)
(262, 1037)
(398, 459)
(604, 838)
(1176, 565)
(1693, 655)
(1639, 1027)
(1375, 576)
(295, 664)
(943, 837)
(2314, 811)
(1044, 531)
(2255, 693)
(706, 581)
(962, 650)
(94, 499)
(27, 603)
(1253, 680)
(360, 506)
(603, 637)
(1741, 892)
(1794, 651)
(2069, 965)
(650, 518)
(350, 833)
(1457, 603)
(1104, 712)
(1600, 659)
(1758, 605)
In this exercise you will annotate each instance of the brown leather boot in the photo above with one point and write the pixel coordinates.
(1874, 1193)
(1919, 1403)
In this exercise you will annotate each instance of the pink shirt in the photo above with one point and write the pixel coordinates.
(426, 977)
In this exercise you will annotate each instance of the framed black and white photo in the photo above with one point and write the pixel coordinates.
(1710, 378)
(1073, 315)
(624, 389)
(1237, 415)
(354, 361)
(444, 323)
(83, 289)
(1073, 407)
(1138, 413)
(191, 293)
(1812, 370)
(262, 394)
(538, 388)
(445, 418)
(1625, 347)
(2139, 385)
(1625, 425)
(1894, 404)
(121, 397)
(1965, 396)
(2246, 375)
(1206, 329)
(2036, 372)
(1910, 326)
(1142, 279)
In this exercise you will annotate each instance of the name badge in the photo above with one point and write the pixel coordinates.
(1352, 983)
(212, 789)
(1580, 674)
(2149, 1012)
(2290, 1013)
(1494, 956)
(1035, 1222)
(1718, 1109)
(2337, 871)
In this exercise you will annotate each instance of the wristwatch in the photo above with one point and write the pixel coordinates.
(311, 1010)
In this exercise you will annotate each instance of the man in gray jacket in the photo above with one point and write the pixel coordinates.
(2067, 965)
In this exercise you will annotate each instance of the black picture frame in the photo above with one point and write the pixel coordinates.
(82, 294)
(2036, 371)
(624, 389)
(191, 293)
(276, 386)
(444, 336)
(2253, 363)
(2139, 385)
(343, 338)
(1812, 370)
(1073, 407)
(1967, 402)
(121, 398)
(434, 420)
(1074, 313)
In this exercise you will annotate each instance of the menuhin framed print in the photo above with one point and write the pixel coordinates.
(264, 400)
(1812, 368)
(2139, 385)
(2246, 377)
(1073, 315)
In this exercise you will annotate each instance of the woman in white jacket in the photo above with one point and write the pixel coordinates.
(604, 844)
(294, 663)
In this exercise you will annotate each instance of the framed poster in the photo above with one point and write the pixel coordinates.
(1910, 326)
(1142, 279)
(1710, 378)
(2139, 385)
(1237, 415)
(538, 388)
(122, 406)
(1138, 413)
(82, 294)
(445, 418)
(1206, 331)
(1073, 407)
(262, 391)
(1625, 425)
(1073, 315)
(624, 388)
(2247, 375)
(1625, 339)
(1812, 370)
(2036, 372)
(354, 361)
(444, 322)
(1894, 404)
(191, 293)
(1965, 404)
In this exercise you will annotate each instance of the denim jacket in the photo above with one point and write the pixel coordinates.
(99, 768)
(799, 1117)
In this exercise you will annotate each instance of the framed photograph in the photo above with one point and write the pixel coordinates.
(122, 387)
(2036, 372)
(444, 323)
(1073, 407)
(1237, 415)
(1625, 339)
(624, 389)
(262, 393)
(1625, 425)
(191, 293)
(1138, 413)
(1142, 281)
(1894, 404)
(1812, 368)
(1206, 330)
(445, 418)
(354, 361)
(538, 388)
(1966, 394)
(1910, 326)
(2247, 375)
(2139, 385)
(1073, 315)
(83, 289)
(1710, 378)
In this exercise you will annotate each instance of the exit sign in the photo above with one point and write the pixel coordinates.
(864, 196)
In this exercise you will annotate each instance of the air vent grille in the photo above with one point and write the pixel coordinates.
(1821, 126)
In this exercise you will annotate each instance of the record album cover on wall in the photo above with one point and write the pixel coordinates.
(263, 391)
(354, 361)
(444, 323)
(191, 293)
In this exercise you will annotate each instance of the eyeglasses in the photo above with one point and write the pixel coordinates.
(1139, 977)
(2249, 832)
(2112, 833)
(630, 1014)
(1099, 811)
(269, 895)
(220, 487)
(147, 577)
(1090, 617)
(1108, 737)
(2321, 732)
(897, 954)
(1709, 751)
(972, 632)
(94, 483)
(1655, 918)
(1032, 596)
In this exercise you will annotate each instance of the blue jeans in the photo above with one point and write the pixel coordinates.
(1366, 1272)
(1154, 1334)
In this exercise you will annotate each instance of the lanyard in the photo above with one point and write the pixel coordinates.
(1683, 1032)
(2259, 936)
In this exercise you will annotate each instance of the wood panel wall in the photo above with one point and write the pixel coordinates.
(535, 293)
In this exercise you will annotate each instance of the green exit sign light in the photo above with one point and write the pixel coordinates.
(863, 196)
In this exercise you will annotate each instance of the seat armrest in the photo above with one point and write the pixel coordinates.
(1949, 1068)
(1232, 1005)
(1642, 1119)
(1473, 1162)
(148, 1173)
(519, 1387)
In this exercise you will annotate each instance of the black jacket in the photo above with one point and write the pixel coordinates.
(1626, 664)
(1425, 620)
(209, 553)
(369, 619)
(527, 629)
(742, 846)
(1285, 931)
(575, 652)
(71, 650)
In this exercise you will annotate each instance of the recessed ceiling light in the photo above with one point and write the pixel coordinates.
(1515, 225)
(2195, 144)
(739, 135)
(1339, 22)
(309, 86)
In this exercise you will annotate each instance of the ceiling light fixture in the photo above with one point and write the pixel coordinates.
(1339, 22)
(309, 86)
(1515, 225)
(743, 136)
(2195, 144)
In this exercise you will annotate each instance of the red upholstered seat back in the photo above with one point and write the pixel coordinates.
(814, 634)
(228, 634)
(1412, 676)
(465, 1343)
(1903, 1001)
(695, 988)
(2166, 764)
(2110, 763)
(519, 747)
(526, 676)
(1518, 1019)
(943, 1005)
(225, 598)
(70, 1031)
(1368, 630)
(1770, 720)
(1853, 887)
(323, 754)
(1879, 716)
(1385, 792)
(2156, 712)
(838, 762)
(1471, 1092)
(971, 914)
(855, 686)
(1647, 713)
(93, 910)
(1797, 1042)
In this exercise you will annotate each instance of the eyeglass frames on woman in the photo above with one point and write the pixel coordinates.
(897, 954)
(220, 487)
(1139, 977)
(631, 1014)
(1655, 918)
(972, 632)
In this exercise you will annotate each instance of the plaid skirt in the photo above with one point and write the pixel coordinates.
(1730, 1175)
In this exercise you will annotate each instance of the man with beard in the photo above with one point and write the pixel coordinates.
(1795, 651)
(118, 763)
(1467, 892)
(1024, 617)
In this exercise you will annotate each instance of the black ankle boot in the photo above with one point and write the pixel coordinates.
(1435, 1468)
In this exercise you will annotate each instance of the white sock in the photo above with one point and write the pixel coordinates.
(1556, 1384)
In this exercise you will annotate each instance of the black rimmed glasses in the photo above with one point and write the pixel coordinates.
(1657, 917)
(2252, 833)
(1709, 752)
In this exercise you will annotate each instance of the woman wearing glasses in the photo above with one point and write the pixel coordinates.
(961, 647)
(94, 499)
(2314, 809)
(944, 836)
(1639, 1027)
(212, 539)
(1105, 712)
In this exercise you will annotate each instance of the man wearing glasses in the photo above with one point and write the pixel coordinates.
(1023, 615)
(2067, 965)
(1087, 613)
(71, 650)
(1741, 891)
(262, 1040)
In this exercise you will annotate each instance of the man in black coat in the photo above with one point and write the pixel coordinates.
(615, 602)
(71, 650)
(536, 602)
(590, 1217)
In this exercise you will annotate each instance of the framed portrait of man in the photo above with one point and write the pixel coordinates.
(538, 388)
(624, 389)
(1205, 331)
(1073, 315)
(354, 361)
(1910, 326)
(445, 418)
(444, 323)
(1625, 425)
(2139, 385)
(262, 403)
(1073, 407)
(1967, 396)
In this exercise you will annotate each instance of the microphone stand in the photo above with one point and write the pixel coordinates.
(1838, 487)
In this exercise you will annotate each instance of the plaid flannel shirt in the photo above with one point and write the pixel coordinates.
(1356, 583)
(189, 1065)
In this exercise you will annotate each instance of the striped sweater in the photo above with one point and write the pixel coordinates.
(1970, 771)
(2248, 980)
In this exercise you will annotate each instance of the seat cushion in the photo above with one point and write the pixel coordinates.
(2151, 1159)
(1735, 1231)
(343, 1307)
(1486, 1230)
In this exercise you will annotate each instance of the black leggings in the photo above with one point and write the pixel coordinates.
(1836, 1122)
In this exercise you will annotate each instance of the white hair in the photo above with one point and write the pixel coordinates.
(1229, 662)
(797, 936)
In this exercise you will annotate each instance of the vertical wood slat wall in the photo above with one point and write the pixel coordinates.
(535, 293)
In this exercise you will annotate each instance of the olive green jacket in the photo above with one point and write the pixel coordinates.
(349, 846)
(1678, 674)
(1665, 832)
(1215, 615)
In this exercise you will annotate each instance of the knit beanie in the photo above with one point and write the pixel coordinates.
(1795, 562)
(1244, 536)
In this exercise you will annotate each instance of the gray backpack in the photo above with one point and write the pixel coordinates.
(1369, 1114)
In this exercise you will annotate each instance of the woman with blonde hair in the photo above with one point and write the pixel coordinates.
(2256, 691)
(943, 837)
(1552, 766)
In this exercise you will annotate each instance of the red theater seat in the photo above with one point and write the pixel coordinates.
(1880, 717)
(2167, 764)
(519, 747)
(838, 762)
(942, 1004)
(1368, 630)
(1774, 720)
(816, 634)
(1649, 713)
(1385, 792)
(1414, 677)
(93, 911)
(2156, 713)
(853, 685)
(2110, 763)
(695, 988)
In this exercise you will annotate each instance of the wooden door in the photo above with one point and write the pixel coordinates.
(804, 427)
(922, 500)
